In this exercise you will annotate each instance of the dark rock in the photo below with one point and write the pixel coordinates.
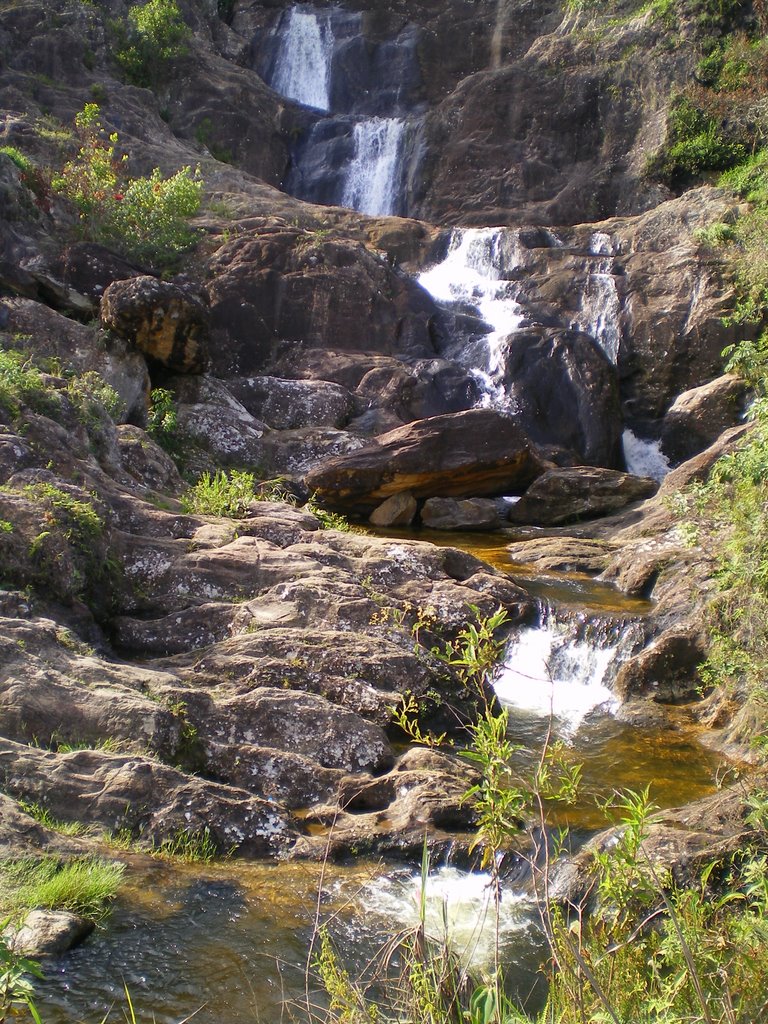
(166, 323)
(698, 417)
(468, 514)
(90, 269)
(474, 453)
(667, 669)
(567, 495)
(566, 394)
(290, 404)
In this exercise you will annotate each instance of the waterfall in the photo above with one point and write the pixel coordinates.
(644, 458)
(458, 907)
(374, 180)
(302, 66)
(599, 315)
(564, 668)
(475, 273)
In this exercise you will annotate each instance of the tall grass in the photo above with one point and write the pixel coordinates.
(85, 886)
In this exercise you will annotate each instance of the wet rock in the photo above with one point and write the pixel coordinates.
(667, 669)
(566, 394)
(49, 933)
(468, 514)
(166, 323)
(469, 454)
(399, 510)
(566, 495)
(698, 417)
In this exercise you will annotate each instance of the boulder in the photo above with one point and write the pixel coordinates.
(566, 495)
(480, 452)
(468, 514)
(699, 416)
(165, 322)
(566, 393)
(398, 510)
(48, 933)
(563, 554)
(290, 404)
(146, 461)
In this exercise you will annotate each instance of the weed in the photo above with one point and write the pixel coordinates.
(44, 816)
(16, 990)
(328, 520)
(197, 847)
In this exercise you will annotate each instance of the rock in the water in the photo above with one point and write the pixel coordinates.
(398, 510)
(697, 417)
(563, 554)
(49, 932)
(480, 452)
(565, 495)
(165, 322)
(469, 514)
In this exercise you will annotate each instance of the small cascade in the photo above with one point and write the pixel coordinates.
(373, 183)
(459, 909)
(475, 275)
(644, 458)
(302, 67)
(600, 312)
(564, 667)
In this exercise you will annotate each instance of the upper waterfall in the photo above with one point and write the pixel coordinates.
(302, 67)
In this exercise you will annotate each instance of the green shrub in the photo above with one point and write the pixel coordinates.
(328, 520)
(221, 494)
(16, 990)
(21, 383)
(156, 39)
(145, 219)
(78, 520)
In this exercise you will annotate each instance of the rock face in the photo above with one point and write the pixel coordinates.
(165, 323)
(480, 452)
(698, 417)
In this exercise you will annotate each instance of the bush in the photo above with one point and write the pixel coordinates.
(144, 219)
(155, 40)
(221, 495)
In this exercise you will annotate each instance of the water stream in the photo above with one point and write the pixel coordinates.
(302, 66)
(374, 179)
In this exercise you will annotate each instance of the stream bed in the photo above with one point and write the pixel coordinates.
(230, 940)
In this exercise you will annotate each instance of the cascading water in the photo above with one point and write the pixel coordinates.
(302, 67)
(476, 273)
(600, 311)
(562, 669)
(374, 180)
(459, 909)
(644, 458)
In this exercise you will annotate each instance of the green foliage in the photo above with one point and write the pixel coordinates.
(16, 990)
(195, 847)
(22, 384)
(85, 885)
(697, 143)
(156, 39)
(78, 520)
(44, 816)
(145, 219)
(162, 420)
(328, 520)
(221, 494)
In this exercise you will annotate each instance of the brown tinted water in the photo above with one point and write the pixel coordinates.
(230, 940)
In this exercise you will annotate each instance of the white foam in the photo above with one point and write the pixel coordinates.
(547, 672)
(459, 909)
(600, 310)
(644, 458)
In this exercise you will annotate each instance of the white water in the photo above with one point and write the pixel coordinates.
(459, 909)
(303, 63)
(549, 671)
(644, 458)
(475, 273)
(600, 312)
(374, 178)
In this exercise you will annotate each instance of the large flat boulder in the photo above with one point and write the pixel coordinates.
(477, 453)
(580, 492)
